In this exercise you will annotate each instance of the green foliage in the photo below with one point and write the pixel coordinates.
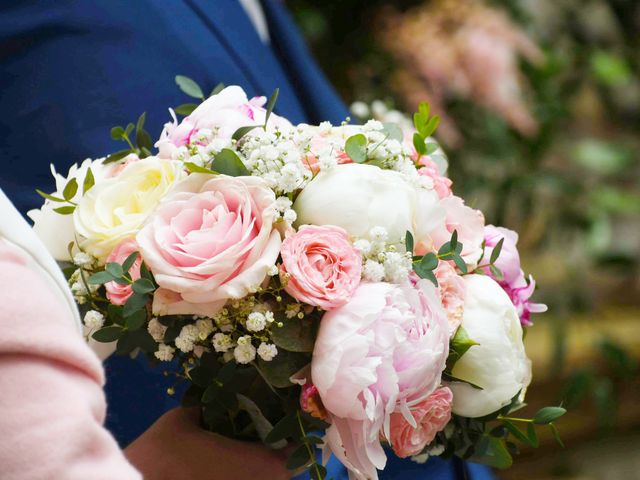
(185, 109)
(227, 162)
(295, 335)
(356, 148)
(459, 344)
(189, 86)
(270, 105)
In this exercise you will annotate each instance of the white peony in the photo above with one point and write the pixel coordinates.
(499, 363)
(117, 208)
(359, 197)
(56, 231)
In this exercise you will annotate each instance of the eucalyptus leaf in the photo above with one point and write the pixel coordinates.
(189, 86)
(496, 251)
(299, 458)
(194, 168)
(99, 278)
(114, 157)
(278, 371)
(134, 303)
(115, 269)
(270, 105)
(129, 261)
(117, 133)
(217, 89)
(185, 109)
(295, 335)
(107, 334)
(548, 414)
(242, 131)
(393, 131)
(143, 286)
(408, 242)
(356, 148)
(287, 427)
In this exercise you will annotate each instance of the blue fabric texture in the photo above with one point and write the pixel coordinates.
(71, 70)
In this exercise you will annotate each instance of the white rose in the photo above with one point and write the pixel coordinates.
(117, 208)
(56, 231)
(499, 363)
(359, 197)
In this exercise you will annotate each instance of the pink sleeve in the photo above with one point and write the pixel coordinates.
(51, 401)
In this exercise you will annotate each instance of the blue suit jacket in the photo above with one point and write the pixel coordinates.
(73, 69)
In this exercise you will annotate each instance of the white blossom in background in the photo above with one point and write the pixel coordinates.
(185, 341)
(267, 351)
(156, 330)
(222, 342)
(244, 352)
(93, 319)
(164, 352)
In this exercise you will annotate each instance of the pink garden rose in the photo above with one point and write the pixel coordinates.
(382, 352)
(442, 185)
(210, 240)
(324, 268)
(429, 417)
(116, 293)
(514, 281)
(468, 222)
(225, 112)
(451, 287)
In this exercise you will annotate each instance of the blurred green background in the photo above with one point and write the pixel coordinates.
(540, 101)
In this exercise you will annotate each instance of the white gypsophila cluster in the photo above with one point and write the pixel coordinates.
(205, 328)
(83, 260)
(285, 212)
(292, 309)
(202, 147)
(432, 451)
(93, 319)
(164, 352)
(273, 270)
(79, 289)
(387, 152)
(223, 321)
(185, 341)
(256, 322)
(156, 330)
(381, 260)
(244, 352)
(267, 351)
(277, 158)
(222, 342)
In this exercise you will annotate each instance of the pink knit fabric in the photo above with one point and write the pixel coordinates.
(51, 401)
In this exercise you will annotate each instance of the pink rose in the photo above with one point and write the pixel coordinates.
(442, 185)
(429, 417)
(324, 267)
(382, 352)
(452, 291)
(210, 240)
(116, 293)
(468, 222)
(225, 112)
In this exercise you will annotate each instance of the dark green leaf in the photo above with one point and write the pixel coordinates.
(496, 272)
(242, 131)
(227, 162)
(143, 140)
(126, 343)
(49, 197)
(115, 269)
(496, 251)
(70, 189)
(202, 376)
(418, 144)
(393, 131)
(408, 242)
(143, 286)
(114, 157)
(117, 133)
(270, 104)
(461, 342)
(285, 364)
(556, 434)
(129, 129)
(356, 148)
(317, 472)
(494, 453)
(129, 261)
(429, 261)
(226, 373)
(517, 433)
(285, 428)
(189, 87)
(548, 414)
(460, 263)
(144, 271)
(295, 335)
(89, 181)
(107, 334)
(217, 89)
(453, 243)
(99, 278)
(144, 340)
(140, 122)
(533, 436)
(299, 458)
(194, 168)
(211, 393)
(313, 440)
(185, 109)
(134, 303)
(426, 274)
(136, 320)
(65, 210)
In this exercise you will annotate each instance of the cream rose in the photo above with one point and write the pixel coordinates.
(117, 208)
(499, 363)
(359, 197)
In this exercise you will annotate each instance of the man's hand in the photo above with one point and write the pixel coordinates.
(176, 448)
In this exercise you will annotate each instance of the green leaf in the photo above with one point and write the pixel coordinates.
(516, 432)
(460, 263)
(114, 157)
(418, 144)
(408, 242)
(425, 274)
(144, 272)
(136, 320)
(242, 131)
(533, 436)
(185, 109)
(194, 168)
(99, 278)
(117, 133)
(547, 415)
(129, 261)
(227, 372)
(217, 89)
(496, 272)
(356, 148)
(393, 131)
(431, 126)
(129, 129)
(202, 376)
(143, 139)
(451, 378)
(49, 197)
(270, 104)
(317, 472)
(431, 147)
(70, 189)
(134, 303)
(189, 87)
(89, 181)
(115, 269)
(65, 210)
(493, 452)
(496, 251)
(313, 439)
(107, 334)
(461, 342)
(227, 162)
(429, 261)
(556, 434)
(295, 335)
(285, 428)
(285, 364)
(140, 122)
(453, 243)
(299, 458)
(143, 286)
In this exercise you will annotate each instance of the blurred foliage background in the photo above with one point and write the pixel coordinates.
(540, 101)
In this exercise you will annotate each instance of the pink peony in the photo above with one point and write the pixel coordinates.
(116, 293)
(442, 185)
(210, 240)
(429, 417)
(468, 222)
(225, 112)
(514, 281)
(452, 290)
(382, 352)
(324, 268)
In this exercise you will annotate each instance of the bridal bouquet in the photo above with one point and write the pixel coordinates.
(318, 285)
